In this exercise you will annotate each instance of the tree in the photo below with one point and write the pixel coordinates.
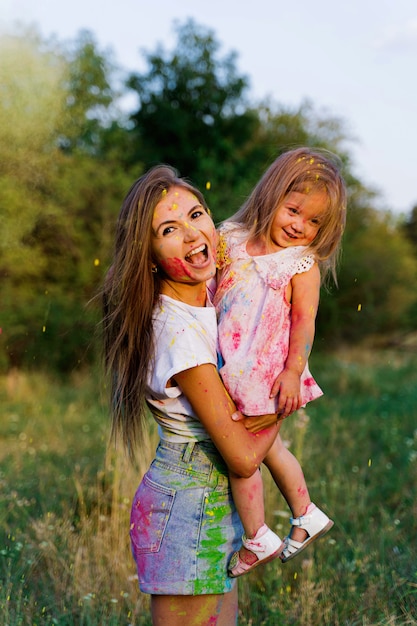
(192, 111)
(377, 290)
(409, 227)
(90, 97)
(194, 114)
(56, 205)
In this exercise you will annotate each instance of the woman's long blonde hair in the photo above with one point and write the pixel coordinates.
(303, 170)
(130, 292)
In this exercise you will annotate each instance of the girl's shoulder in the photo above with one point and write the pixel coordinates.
(300, 258)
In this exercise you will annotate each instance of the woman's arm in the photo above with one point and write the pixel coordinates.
(242, 451)
(304, 304)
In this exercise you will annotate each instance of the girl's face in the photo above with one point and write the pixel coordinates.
(183, 238)
(298, 219)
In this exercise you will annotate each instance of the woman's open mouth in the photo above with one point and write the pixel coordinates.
(198, 256)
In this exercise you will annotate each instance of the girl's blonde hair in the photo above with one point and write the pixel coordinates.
(304, 170)
(130, 292)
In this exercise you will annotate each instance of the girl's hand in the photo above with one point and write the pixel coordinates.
(287, 388)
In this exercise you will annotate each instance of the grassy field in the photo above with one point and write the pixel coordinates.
(65, 501)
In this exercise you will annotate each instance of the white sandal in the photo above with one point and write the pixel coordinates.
(266, 545)
(315, 523)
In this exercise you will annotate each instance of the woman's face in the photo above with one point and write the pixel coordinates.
(183, 238)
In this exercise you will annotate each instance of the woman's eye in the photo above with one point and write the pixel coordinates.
(196, 214)
(168, 230)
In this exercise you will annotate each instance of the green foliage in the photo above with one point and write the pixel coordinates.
(56, 208)
(192, 111)
(89, 96)
(194, 114)
(377, 280)
(410, 227)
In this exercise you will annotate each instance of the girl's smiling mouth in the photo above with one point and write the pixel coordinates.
(290, 235)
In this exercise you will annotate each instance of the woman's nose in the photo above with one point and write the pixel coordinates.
(190, 233)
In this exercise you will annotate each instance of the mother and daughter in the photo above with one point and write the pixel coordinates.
(161, 349)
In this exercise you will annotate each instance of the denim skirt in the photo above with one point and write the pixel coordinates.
(184, 525)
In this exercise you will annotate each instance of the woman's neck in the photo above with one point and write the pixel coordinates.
(192, 294)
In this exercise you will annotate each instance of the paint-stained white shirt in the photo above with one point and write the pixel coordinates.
(185, 337)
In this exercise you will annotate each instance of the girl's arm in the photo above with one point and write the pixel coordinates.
(304, 305)
(242, 451)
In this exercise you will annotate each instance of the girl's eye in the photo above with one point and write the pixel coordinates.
(196, 214)
(168, 230)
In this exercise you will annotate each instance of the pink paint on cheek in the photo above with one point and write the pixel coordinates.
(175, 268)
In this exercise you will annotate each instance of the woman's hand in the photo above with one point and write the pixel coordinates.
(258, 423)
(242, 450)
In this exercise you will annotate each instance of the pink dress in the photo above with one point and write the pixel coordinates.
(254, 320)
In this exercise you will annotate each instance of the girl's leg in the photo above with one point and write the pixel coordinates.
(260, 544)
(289, 478)
(248, 496)
(203, 610)
(288, 475)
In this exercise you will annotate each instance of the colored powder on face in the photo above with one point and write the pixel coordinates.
(175, 268)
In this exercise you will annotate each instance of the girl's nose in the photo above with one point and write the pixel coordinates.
(298, 225)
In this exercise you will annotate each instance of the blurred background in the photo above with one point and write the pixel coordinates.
(77, 127)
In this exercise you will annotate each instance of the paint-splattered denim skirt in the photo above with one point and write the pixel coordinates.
(184, 525)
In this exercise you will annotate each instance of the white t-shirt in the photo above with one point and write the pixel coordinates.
(185, 336)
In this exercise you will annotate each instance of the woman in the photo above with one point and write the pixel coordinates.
(160, 346)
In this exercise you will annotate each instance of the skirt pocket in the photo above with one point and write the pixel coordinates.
(151, 509)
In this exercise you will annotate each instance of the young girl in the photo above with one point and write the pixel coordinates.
(160, 334)
(275, 251)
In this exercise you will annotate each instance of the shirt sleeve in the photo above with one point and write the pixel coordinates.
(181, 344)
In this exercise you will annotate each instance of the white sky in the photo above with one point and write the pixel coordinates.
(355, 60)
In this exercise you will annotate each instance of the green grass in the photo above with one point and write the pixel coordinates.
(64, 506)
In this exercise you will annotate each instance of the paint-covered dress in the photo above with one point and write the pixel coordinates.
(254, 320)
(184, 524)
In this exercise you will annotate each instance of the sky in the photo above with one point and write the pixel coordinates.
(355, 60)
